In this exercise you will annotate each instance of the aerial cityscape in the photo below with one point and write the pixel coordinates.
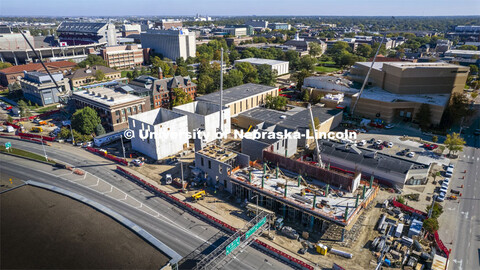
(240, 135)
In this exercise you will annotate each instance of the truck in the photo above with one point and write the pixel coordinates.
(36, 129)
(199, 195)
(10, 129)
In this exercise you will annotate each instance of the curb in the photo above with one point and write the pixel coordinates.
(31, 159)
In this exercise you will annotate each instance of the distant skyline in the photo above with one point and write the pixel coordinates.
(239, 8)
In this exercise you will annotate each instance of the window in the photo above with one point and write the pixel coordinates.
(235, 108)
(209, 164)
(129, 110)
(201, 161)
(251, 102)
(278, 146)
(220, 168)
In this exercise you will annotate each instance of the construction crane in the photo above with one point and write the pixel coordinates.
(368, 75)
(319, 159)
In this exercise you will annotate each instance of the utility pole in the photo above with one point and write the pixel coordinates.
(43, 146)
(368, 75)
(71, 132)
(181, 171)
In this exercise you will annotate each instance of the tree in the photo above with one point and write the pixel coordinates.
(473, 69)
(307, 62)
(400, 199)
(435, 175)
(9, 119)
(92, 60)
(158, 64)
(233, 78)
(436, 211)
(275, 103)
(99, 130)
(266, 75)
(85, 120)
(468, 47)
(430, 225)
(315, 49)
(434, 138)
(454, 143)
(458, 108)
(180, 97)
(234, 55)
(181, 71)
(300, 76)
(249, 72)
(364, 50)
(306, 95)
(99, 75)
(5, 65)
(423, 116)
(22, 106)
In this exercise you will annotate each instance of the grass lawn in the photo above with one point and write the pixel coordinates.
(46, 109)
(125, 72)
(327, 63)
(322, 69)
(23, 153)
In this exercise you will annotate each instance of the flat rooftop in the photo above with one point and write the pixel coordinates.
(41, 229)
(237, 93)
(405, 65)
(157, 116)
(463, 52)
(217, 153)
(297, 118)
(333, 207)
(200, 108)
(106, 96)
(261, 61)
(377, 93)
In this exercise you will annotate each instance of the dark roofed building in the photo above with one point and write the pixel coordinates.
(389, 170)
(86, 76)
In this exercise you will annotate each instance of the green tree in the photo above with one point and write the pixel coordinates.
(9, 119)
(364, 50)
(180, 97)
(99, 130)
(307, 62)
(315, 49)
(468, 47)
(205, 83)
(275, 103)
(431, 225)
(400, 199)
(266, 75)
(250, 74)
(23, 107)
(234, 55)
(181, 71)
(5, 65)
(233, 78)
(85, 120)
(436, 211)
(300, 76)
(306, 95)
(92, 60)
(454, 143)
(457, 108)
(423, 116)
(434, 138)
(99, 75)
(158, 64)
(473, 69)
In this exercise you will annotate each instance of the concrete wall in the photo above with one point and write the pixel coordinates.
(158, 146)
(170, 45)
(206, 116)
(246, 104)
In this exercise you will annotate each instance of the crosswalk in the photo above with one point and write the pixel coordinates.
(471, 157)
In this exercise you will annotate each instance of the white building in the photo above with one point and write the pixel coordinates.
(172, 44)
(280, 66)
(206, 116)
(159, 133)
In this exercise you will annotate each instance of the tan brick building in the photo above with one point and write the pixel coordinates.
(86, 76)
(123, 56)
(11, 74)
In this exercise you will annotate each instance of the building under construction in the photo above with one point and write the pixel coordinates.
(313, 198)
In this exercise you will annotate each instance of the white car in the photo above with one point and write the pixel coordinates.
(138, 162)
(362, 143)
(389, 126)
(410, 154)
(378, 142)
(443, 190)
(441, 197)
(390, 144)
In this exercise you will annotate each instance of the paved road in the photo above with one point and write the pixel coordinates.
(185, 235)
(460, 227)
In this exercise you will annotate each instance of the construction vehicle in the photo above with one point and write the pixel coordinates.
(278, 224)
(36, 129)
(42, 123)
(199, 195)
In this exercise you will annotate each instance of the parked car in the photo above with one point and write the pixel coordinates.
(402, 153)
(390, 144)
(87, 144)
(362, 143)
(138, 162)
(380, 146)
(372, 140)
(410, 154)
(378, 142)
(389, 126)
(441, 197)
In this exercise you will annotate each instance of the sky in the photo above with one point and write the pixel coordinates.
(239, 7)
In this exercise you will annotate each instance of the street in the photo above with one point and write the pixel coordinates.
(176, 228)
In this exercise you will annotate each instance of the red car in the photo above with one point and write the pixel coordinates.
(430, 146)
(380, 147)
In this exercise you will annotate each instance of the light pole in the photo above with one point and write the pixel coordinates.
(181, 171)
(43, 146)
(123, 147)
(71, 132)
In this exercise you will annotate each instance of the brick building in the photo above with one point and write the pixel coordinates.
(11, 74)
(123, 56)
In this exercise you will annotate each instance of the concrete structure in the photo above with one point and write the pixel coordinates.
(86, 76)
(242, 98)
(443, 45)
(159, 133)
(122, 56)
(39, 88)
(236, 31)
(205, 116)
(257, 24)
(268, 141)
(469, 54)
(280, 189)
(12, 74)
(413, 78)
(112, 106)
(172, 44)
(388, 170)
(281, 67)
(52, 215)
(297, 118)
(14, 41)
(80, 33)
